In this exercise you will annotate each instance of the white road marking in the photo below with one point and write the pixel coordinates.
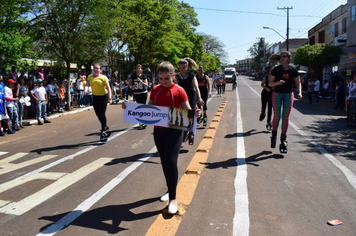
(84, 206)
(8, 167)
(350, 176)
(241, 221)
(26, 204)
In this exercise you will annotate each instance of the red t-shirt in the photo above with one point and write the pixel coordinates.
(168, 97)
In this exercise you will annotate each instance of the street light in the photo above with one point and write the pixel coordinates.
(265, 27)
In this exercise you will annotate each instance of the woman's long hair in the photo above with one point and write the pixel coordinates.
(274, 58)
(192, 65)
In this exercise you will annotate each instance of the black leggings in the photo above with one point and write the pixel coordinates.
(168, 143)
(266, 101)
(100, 103)
(141, 98)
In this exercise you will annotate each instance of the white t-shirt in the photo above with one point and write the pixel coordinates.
(326, 85)
(8, 94)
(39, 92)
(80, 85)
(317, 86)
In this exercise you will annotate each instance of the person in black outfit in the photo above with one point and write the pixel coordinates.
(266, 101)
(139, 84)
(188, 81)
(205, 92)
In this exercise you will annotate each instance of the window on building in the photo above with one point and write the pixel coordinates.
(312, 40)
(353, 13)
(343, 30)
(321, 37)
(336, 29)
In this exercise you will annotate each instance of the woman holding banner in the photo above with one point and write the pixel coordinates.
(168, 140)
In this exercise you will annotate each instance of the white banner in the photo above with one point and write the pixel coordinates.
(175, 118)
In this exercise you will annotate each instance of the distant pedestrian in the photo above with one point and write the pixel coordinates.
(316, 90)
(205, 92)
(281, 79)
(310, 90)
(352, 96)
(101, 97)
(139, 84)
(340, 95)
(266, 101)
(40, 95)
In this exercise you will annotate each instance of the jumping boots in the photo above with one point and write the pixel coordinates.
(284, 144)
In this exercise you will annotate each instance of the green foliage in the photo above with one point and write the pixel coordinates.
(318, 56)
(14, 42)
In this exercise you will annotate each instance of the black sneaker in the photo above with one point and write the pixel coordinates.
(2, 133)
(191, 139)
(40, 123)
(200, 120)
(47, 121)
(262, 116)
(11, 132)
(205, 121)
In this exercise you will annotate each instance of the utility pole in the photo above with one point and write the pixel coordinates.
(286, 8)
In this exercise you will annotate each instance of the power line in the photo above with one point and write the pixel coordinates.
(252, 12)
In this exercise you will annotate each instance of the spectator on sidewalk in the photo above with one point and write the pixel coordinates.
(10, 106)
(53, 95)
(340, 95)
(22, 108)
(40, 95)
(316, 89)
(352, 99)
(3, 116)
(325, 89)
(310, 90)
(13, 73)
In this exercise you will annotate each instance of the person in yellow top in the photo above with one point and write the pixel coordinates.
(101, 97)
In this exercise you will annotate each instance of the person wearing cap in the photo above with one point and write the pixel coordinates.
(40, 95)
(10, 106)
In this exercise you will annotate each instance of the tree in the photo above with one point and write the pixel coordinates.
(257, 52)
(72, 30)
(14, 42)
(318, 56)
(214, 46)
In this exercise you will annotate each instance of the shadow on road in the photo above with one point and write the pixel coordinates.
(247, 133)
(74, 146)
(106, 218)
(264, 155)
(129, 159)
(335, 136)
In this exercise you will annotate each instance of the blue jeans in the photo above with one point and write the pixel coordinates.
(12, 113)
(354, 104)
(19, 112)
(316, 96)
(41, 110)
(81, 97)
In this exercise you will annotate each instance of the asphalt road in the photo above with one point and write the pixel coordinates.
(57, 179)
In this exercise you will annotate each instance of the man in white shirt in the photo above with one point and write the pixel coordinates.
(40, 95)
(316, 89)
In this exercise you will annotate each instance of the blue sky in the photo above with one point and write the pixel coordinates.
(238, 24)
